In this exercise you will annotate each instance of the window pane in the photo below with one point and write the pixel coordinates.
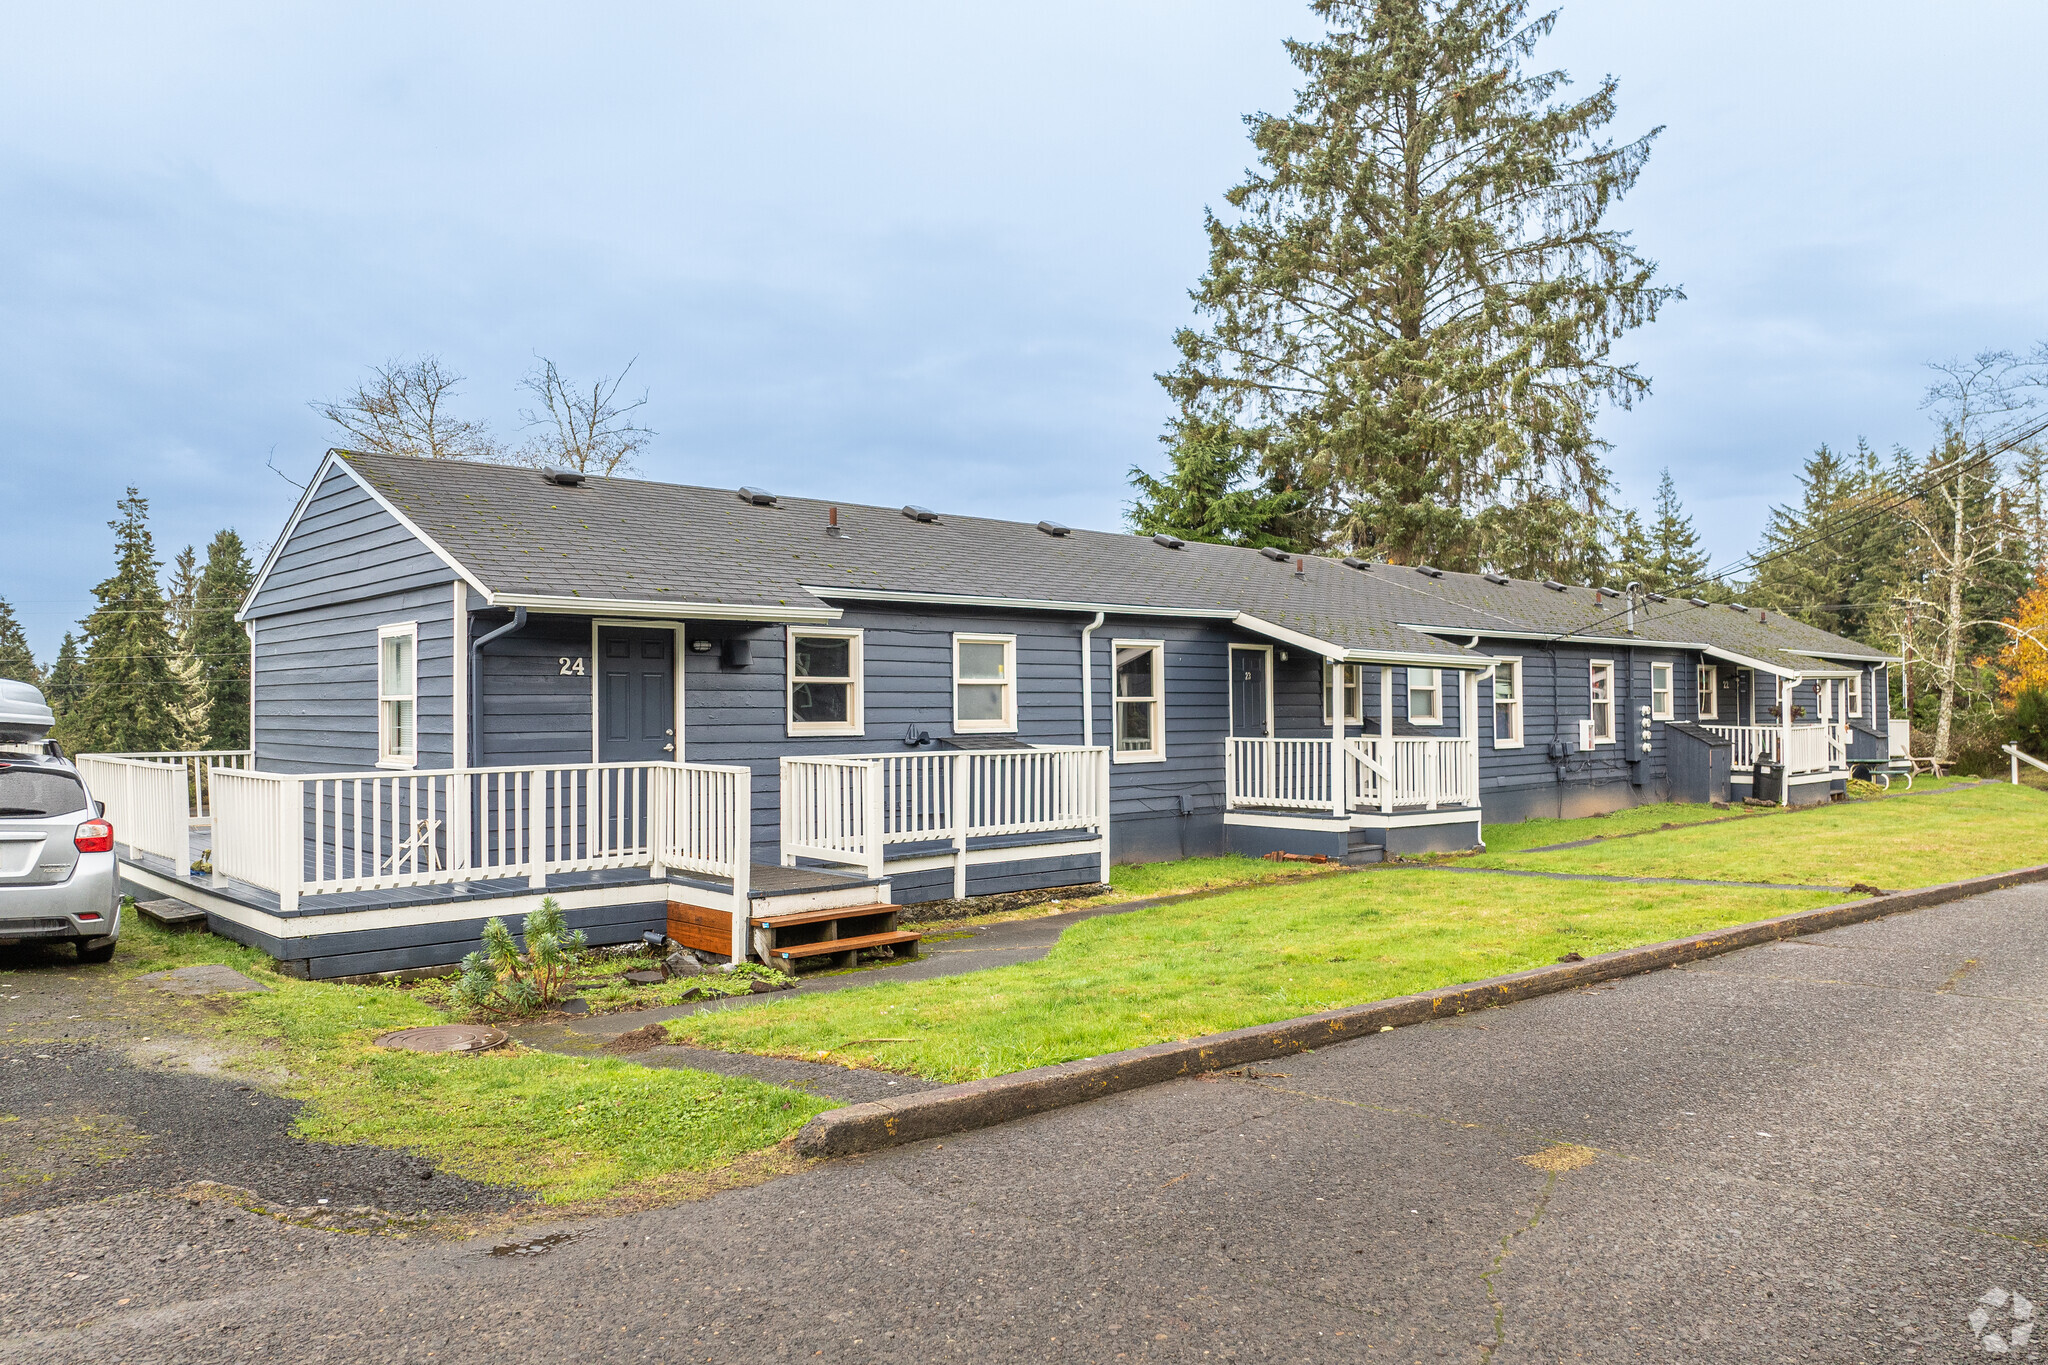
(32, 793)
(1504, 682)
(398, 729)
(819, 703)
(1134, 672)
(1134, 726)
(980, 660)
(824, 656)
(397, 679)
(982, 701)
(1503, 722)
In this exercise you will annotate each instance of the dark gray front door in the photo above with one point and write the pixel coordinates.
(636, 691)
(1248, 694)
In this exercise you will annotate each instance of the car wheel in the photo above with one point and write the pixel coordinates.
(103, 953)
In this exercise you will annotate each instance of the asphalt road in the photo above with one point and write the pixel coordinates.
(1827, 1150)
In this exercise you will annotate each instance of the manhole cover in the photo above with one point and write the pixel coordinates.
(445, 1038)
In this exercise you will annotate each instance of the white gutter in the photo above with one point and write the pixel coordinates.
(1088, 684)
(700, 611)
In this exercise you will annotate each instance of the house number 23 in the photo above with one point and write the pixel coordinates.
(573, 667)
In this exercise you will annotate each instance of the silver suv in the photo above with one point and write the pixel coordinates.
(58, 878)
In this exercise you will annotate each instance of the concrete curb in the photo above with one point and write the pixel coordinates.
(981, 1104)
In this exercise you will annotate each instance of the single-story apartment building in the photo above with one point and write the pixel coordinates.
(477, 683)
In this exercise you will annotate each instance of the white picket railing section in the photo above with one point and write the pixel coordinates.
(849, 810)
(1378, 773)
(147, 802)
(1813, 748)
(321, 833)
(197, 763)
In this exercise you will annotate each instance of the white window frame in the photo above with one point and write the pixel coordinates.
(1008, 724)
(1513, 664)
(1117, 702)
(1853, 699)
(386, 758)
(1594, 706)
(1707, 685)
(1669, 709)
(1436, 692)
(856, 691)
(1354, 692)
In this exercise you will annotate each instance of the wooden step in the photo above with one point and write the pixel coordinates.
(832, 913)
(834, 947)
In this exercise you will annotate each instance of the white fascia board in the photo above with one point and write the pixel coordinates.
(663, 611)
(1870, 659)
(1342, 654)
(331, 462)
(949, 599)
(1716, 652)
(1552, 637)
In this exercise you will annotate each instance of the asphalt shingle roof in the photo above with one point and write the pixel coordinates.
(632, 541)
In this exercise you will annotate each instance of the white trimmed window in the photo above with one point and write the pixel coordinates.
(1354, 693)
(1853, 688)
(1660, 691)
(1507, 703)
(984, 683)
(1425, 704)
(1603, 701)
(824, 682)
(1140, 700)
(1710, 694)
(398, 671)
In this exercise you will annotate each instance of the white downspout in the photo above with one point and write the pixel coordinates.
(1088, 685)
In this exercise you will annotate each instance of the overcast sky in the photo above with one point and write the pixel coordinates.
(898, 252)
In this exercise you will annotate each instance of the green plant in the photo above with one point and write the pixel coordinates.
(506, 978)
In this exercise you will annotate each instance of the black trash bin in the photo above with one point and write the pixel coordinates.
(1767, 782)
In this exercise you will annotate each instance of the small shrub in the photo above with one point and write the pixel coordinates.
(506, 979)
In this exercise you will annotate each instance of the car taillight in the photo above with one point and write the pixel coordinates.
(94, 836)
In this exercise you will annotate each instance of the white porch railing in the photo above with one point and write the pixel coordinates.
(1378, 773)
(849, 810)
(147, 802)
(197, 763)
(1812, 748)
(321, 833)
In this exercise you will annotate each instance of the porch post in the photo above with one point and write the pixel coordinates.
(536, 831)
(871, 799)
(291, 841)
(1389, 764)
(1102, 799)
(1785, 730)
(1340, 800)
(741, 842)
(957, 813)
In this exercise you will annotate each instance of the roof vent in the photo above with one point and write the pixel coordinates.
(1274, 553)
(1428, 572)
(1699, 601)
(916, 513)
(760, 497)
(1499, 580)
(1656, 597)
(1354, 562)
(1553, 585)
(1737, 606)
(1053, 528)
(1170, 542)
(565, 478)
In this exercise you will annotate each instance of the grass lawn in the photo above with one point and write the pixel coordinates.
(1907, 842)
(567, 1128)
(1245, 957)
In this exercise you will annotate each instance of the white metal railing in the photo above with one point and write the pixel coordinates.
(1378, 773)
(197, 763)
(849, 810)
(321, 833)
(146, 801)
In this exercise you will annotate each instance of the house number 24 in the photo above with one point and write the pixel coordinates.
(573, 667)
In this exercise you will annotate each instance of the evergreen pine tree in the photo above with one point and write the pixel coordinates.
(131, 696)
(66, 681)
(182, 598)
(221, 645)
(1412, 311)
(1632, 559)
(1212, 494)
(1833, 559)
(1677, 560)
(17, 660)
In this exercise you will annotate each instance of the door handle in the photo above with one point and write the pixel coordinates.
(668, 748)
(670, 732)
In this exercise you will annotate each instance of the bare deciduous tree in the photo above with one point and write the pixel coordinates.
(402, 410)
(588, 430)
